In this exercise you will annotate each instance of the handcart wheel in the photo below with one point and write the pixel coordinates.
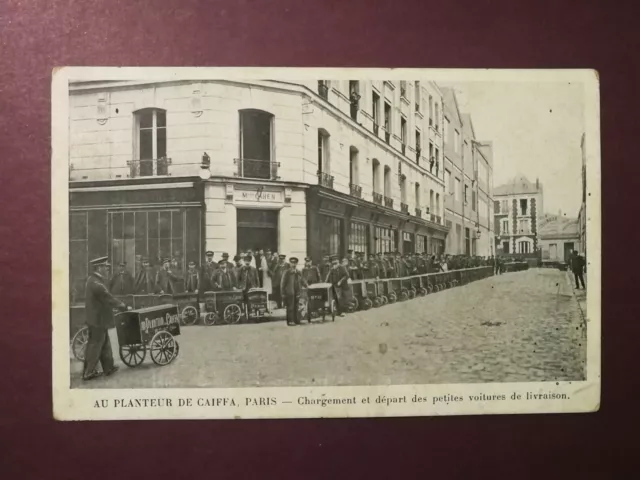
(210, 318)
(392, 298)
(422, 292)
(353, 305)
(384, 299)
(404, 296)
(177, 349)
(133, 355)
(79, 343)
(367, 304)
(189, 315)
(377, 302)
(163, 348)
(430, 288)
(232, 313)
(303, 310)
(412, 293)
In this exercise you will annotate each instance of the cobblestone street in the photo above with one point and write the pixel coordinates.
(517, 327)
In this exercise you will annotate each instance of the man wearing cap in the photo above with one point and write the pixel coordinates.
(291, 285)
(99, 305)
(121, 282)
(371, 268)
(248, 275)
(165, 279)
(310, 272)
(259, 256)
(338, 277)
(146, 279)
(325, 266)
(390, 265)
(382, 271)
(277, 278)
(224, 278)
(207, 271)
(192, 278)
(352, 264)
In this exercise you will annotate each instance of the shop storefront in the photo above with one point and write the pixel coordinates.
(338, 222)
(129, 221)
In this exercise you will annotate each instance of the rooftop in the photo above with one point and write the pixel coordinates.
(518, 185)
(555, 226)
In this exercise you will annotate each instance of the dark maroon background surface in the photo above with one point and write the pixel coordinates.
(37, 35)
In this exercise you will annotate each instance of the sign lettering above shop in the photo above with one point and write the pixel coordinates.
(257, 195)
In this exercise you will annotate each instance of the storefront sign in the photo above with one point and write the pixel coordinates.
(333, 207)
(257, 195)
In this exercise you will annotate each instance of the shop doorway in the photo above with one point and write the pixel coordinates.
(257, 229)
(568, 250)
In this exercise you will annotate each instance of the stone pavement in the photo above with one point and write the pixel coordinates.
(516, 327)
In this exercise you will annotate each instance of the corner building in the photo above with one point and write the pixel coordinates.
(172, 169)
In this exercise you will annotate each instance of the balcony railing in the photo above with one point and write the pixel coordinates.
(325, 179)
(253, 168)
(356, 190)
(418, 213)
(432, 217)
(149, 167)
(388, 202)
(377, 198)
(404, 207)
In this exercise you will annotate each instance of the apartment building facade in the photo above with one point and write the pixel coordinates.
(175, 168)
(468, 183)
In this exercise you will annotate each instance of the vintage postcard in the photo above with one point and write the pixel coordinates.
(294, 242)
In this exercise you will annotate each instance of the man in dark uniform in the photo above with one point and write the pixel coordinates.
(325, 266)
(146, 279)
(291, 285)
(338, 277)
(276, 279)
(401, 265)
(207, 271)
(361, 263)
(382, 268)
(224, 278)
(392, 271)
(258, 256)
(121, 282)
(165, 279)
(371, 268)
(99, 305)
(192, 278)
(577, 267)
(248, 275)
(353, 265)
(310, 272)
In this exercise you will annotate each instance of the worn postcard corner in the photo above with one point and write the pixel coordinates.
(234, 243)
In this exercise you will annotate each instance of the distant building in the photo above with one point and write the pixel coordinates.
(559, 236)
(468, 178)
(582, 215)
(518, 211)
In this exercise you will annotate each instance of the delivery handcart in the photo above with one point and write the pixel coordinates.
(320, 301)
(257, 304)
(223, 306)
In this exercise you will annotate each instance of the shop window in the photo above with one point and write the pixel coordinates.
(256, 144)
(331, 235)
(385, 239)
(359, 237)
(151, 143)
(420, 244)
(78, 253)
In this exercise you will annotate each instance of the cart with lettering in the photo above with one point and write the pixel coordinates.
(188, 308)
(225, 306)
(320, 301)
(257, 304)
(153, 329)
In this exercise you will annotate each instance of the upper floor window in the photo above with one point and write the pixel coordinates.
(375, 172)
(418, 200)
(437, 117)
(323, 89)
(447, 181)
(523, 206)
(375, 110)
(466, 190)
(504, 226)
(403, 88)
(504, 206)
(418, 95)
(387, 181)
(403, 130)
(353, 166)
(323, 151)
(387, 117)
(418, 145)
(430, 110)
(152, 143)
(256, 144)
(403, 189)
(431, 197)
(354, 98)
(496, 206)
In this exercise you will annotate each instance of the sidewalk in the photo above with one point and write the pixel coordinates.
(580, 294)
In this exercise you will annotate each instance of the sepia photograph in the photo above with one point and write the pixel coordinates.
(254, 243)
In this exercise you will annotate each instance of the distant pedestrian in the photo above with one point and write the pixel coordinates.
(577, 267)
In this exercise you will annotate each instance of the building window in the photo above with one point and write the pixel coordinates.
(387, 181)
(375, 111)
(456, 141)
(437, 160)
(466, 190)
(331, 235)
(457, 189)
(437, 212)
(496, 206)
(403, 88)
(418, 96)
(504, 208)
(353, 166)
(523, 206)
(418, 145)
(359, 237)
(504, 226)
(256, 144)
(403, 133)
(436, 121)
(375, 172)
(430, 110)
(354, 98)
(403, 189)
(323, 152)
(152, 143)
(431, 200)
(387, 121)
(385, 240)
(421, 244)
(523, 226)
(323, 89)
(418, 200)
(467, 241)
(523, 247)
(432, 159)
